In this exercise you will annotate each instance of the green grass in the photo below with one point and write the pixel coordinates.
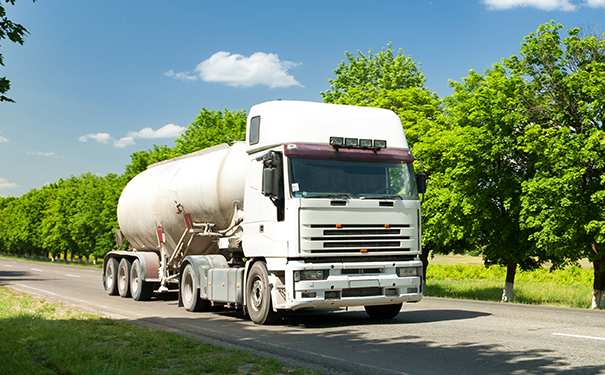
(38, 259)
(39, 337)
(571, 287)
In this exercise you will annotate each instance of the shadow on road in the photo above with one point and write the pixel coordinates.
(332, 339)
(7, 277)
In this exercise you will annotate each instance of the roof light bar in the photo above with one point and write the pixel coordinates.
(375, 144)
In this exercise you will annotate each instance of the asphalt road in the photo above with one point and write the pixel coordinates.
(435, 336)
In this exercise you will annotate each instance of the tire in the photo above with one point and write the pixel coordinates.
(190, 294)
(110, 279)
(124, 277)
(140, 289)
(383, 311)
(258, 296)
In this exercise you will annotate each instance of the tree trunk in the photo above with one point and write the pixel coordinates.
(511, 269)
(424, 257)
(598, 286)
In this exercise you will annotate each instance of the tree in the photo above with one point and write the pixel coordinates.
(477, 172)
(15, 33)
(564, 101)
(363, 78)
(392, 81)
(211, 128)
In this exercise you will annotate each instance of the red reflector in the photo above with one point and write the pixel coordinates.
(188, 221)
(160, 234)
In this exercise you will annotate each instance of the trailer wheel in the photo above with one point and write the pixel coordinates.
(124, 277)
(110, 279)
(258, 295)
(141, 290)
(383, 311)
(190, 295)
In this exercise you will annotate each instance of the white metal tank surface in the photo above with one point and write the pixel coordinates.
(208, 185)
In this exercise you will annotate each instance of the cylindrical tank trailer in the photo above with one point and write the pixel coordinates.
(208, 185)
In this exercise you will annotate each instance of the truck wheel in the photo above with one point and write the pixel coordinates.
(110, 279)
(141, 290)
(383, 311)
(124, 277)
(258, 295)
(190, 295)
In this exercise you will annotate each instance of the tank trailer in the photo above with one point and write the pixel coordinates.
(318, 208)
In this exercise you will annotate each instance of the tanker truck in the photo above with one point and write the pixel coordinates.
(318, 208)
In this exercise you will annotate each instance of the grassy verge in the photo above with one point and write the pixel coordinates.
(571, 287)
(38, 259)
(39, 337)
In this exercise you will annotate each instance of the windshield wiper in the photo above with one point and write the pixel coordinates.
(333, 196)
(392, 196)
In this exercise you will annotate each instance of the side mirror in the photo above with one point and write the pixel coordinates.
(269, 185)
(421, 183)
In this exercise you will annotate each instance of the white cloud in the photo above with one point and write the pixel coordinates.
(596, 3)
(166, 131)
(237, 70)
(183, 76)
(46, 154)
(4, 139)
(4, 184)
(548, 5)
(123, 142)
(104, 138)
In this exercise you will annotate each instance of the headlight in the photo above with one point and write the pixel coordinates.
(406, 272)
(310, 275)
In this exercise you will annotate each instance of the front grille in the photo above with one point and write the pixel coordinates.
(356, 238)
(338, 232)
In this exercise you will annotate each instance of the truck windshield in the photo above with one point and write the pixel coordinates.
(352, 179)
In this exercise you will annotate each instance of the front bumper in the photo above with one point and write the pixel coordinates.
(350, 284)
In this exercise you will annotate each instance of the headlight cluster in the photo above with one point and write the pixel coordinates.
(407, 272)
(310, 275)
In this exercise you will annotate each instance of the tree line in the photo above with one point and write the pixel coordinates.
(77, 218)
(515, 159)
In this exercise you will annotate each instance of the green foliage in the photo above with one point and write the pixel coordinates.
(477, 170)
(361, 79)
(15, 33)
(565, 107)
(211, 128)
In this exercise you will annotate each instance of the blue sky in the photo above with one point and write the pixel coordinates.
(96, 81)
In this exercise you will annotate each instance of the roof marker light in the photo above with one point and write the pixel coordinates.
(351, 142)
(378, 144)
(337, 141)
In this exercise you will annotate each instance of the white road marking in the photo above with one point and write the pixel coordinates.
(35, 269)
(68, 275)
(580, 336)
(7, 265)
